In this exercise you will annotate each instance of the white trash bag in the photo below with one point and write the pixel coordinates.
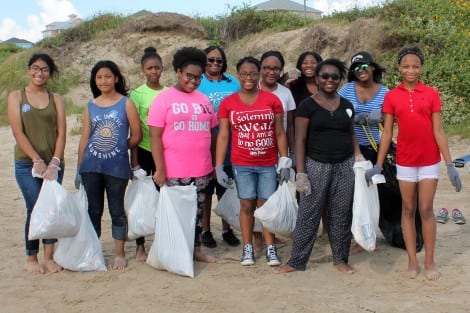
(366, 208)
(140, 203)
(53, 214)
(279, 213)
(82, 252)
(173, 246)
(228, 208)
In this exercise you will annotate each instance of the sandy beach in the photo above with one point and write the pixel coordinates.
(378, 286)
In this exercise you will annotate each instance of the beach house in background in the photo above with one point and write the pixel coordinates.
(21, 43)
(56, 27)
(288, 6)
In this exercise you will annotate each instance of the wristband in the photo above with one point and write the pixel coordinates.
(38, 161)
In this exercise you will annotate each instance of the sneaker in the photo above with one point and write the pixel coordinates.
(248, 257)
(271, 256)
(443, 216)
(230, 238)
(458, 216)
(208, 240)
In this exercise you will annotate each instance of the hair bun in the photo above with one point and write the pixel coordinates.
(150, 50)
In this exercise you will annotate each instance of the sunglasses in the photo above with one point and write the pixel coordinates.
(212, 60)
(362, 67)
(327, 76)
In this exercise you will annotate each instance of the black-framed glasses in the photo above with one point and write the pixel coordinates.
(362, 67)
(190, 76)
(37, 69)
(327, 76)
(268, 69)
(216, 60)
(249, 74)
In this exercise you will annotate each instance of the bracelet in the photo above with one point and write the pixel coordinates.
(56, 158)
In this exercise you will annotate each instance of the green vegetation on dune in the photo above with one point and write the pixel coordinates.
(441, 27)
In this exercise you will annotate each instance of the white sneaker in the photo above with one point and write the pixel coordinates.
(248, 256)
(271, 256)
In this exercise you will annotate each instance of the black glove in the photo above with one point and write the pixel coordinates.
(361, 118)
(371, 172)
(375, 117)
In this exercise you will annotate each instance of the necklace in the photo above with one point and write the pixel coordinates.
(327, 103)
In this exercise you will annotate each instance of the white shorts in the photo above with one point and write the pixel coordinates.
(416, 174)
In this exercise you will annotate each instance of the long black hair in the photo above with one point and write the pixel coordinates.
(120, 85)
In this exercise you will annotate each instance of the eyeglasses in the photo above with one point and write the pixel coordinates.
(36, 69)
(327, 76)
(250, 74)
(190, 76)
(362, 67)
(212, 60)
(268, 69)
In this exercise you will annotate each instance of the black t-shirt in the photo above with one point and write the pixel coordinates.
(329, 138)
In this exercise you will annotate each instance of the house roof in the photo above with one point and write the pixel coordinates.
(17, 40)
(285, 5)
(60, 25)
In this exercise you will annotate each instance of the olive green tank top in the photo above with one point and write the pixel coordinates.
(40, 126)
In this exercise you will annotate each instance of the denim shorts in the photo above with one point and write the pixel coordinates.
(255, 182)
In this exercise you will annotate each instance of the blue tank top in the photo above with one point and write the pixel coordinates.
(106, 151)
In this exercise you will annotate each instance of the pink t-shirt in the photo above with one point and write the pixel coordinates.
(187, 120)
(416, 144)
(253, 133)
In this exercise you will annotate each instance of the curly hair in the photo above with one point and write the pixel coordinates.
(189, 55)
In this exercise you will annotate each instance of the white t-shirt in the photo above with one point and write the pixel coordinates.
(284, 94)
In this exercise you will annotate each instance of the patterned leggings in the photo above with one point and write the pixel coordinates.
(333, 188)
(201, 184)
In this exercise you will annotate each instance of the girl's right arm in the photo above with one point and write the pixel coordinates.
(222, 141)
(301, 127)
(14, 118)
(86, 132)
(385, 139)
(156, 144)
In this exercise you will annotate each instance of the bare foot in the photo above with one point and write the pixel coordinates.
(284, 269)
(201, 257)
(431, 272)
(345, 268)
(120, 263)
(412, 271)
(51, 266)
(140, 255)
(356, 249)
(33, 267)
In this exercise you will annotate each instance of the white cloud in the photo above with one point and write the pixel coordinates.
(50, 11)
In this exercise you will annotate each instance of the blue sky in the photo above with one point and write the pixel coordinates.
(26, 19)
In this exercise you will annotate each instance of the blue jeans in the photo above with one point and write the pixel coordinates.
(95, 185)
(30, 188)
(255, 182)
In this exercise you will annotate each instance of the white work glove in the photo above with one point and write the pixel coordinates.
(138, 173)
(302, 184)
(222, 177)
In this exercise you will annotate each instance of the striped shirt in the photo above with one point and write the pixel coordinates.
(348, 91)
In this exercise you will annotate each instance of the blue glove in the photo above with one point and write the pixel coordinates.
(361, 118)
(371, 172)
(222, 177)
(454, 177)
(375, 117)
(78, 179)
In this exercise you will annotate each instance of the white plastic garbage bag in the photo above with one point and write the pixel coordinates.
(279, 213)
(82, 252)
(366, 208)
(140, 203)
(228, 208)
(53, 214)
(173, 246)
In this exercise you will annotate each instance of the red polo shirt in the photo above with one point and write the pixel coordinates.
(416, 144)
